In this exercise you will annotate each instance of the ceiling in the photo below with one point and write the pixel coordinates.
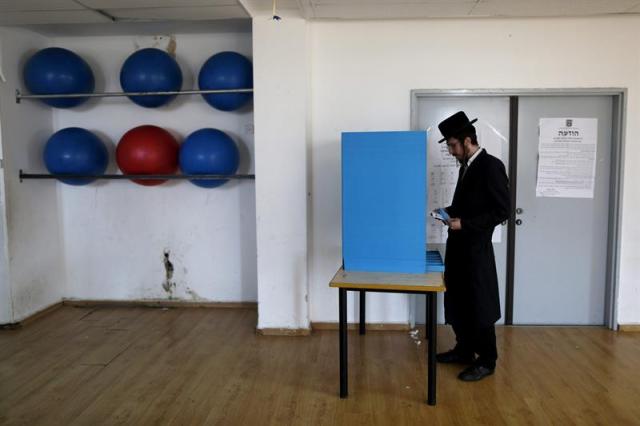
(36, 12)
(30, 12)
(382, 9)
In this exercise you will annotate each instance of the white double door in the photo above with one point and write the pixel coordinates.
(559, 256)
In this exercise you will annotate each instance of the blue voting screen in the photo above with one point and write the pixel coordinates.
(384, 201)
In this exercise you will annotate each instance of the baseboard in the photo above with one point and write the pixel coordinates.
(629, 327)
(33, 317)
(160, 303)
(374, 326)
(283, 331)
(127, 304)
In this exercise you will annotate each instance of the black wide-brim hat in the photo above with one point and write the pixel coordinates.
(453, 125)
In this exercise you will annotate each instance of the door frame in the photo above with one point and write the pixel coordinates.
(619, 98)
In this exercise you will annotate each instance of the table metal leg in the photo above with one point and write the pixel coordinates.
(344, 391)
(363, 305)
(431, 361)
(427, 329)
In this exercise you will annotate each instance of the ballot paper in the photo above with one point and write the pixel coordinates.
(440, 214)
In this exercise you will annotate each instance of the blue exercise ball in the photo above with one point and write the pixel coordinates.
(209, 152)
(75, 151)
(151, 70)
(55, 71)
(226, 70)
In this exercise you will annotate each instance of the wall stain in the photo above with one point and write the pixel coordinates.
(168, 285)
(172, 45)
(195, 296)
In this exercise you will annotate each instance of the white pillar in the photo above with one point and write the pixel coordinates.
(281, 86)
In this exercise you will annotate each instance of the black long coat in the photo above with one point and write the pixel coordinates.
(481, 201)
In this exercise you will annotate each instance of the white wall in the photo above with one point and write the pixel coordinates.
(116, 232)
(34, 275)
(362, 73)
(281, 61)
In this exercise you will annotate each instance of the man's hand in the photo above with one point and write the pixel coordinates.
(455, 224)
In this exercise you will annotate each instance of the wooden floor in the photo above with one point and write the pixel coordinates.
(142, 366)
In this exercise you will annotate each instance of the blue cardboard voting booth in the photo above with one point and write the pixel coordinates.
(384, 199)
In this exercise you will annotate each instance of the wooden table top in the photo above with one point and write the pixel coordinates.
(393, 281)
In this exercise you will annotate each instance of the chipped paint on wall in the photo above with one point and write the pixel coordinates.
(168, 285)
(163, 42)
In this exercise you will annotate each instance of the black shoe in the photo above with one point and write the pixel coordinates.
(475, 373)
(454, 357)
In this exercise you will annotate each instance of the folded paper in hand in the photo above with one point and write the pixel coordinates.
(440, 214)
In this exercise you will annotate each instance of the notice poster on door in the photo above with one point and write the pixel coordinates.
(567, 157)
(442, 176)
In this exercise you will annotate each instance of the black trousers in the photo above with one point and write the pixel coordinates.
(481, 341)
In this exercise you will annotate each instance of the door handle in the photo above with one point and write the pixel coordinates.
(518, 222)
(519, 210)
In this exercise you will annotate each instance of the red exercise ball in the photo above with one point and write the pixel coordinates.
(147, 150)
